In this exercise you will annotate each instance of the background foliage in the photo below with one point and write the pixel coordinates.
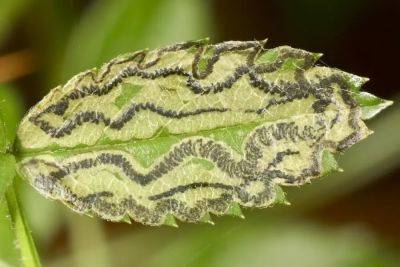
(349, 219)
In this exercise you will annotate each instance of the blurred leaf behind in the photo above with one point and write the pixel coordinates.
(111, 28)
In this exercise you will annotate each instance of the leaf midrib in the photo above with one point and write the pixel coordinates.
(119, 144)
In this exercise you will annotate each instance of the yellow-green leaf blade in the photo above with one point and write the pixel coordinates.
(188, 130)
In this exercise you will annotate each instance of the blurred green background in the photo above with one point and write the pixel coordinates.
(347, 219)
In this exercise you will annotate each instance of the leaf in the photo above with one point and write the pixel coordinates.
(235, 210)
(280, 195)
(190, 140)
(329, 163)
(371, 105)
(125, 25)
(364, 164)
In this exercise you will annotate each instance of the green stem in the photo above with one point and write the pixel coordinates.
(29, 255)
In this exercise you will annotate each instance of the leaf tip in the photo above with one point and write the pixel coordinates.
(280, 196)
(170, 221)
(207, 219)
(317, 56)
(371, 104)
(126, 219)
(235, 210)
(264, 41)
(329, 163)
(357, 81)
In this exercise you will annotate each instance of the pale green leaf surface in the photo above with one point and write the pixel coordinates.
(164, 132)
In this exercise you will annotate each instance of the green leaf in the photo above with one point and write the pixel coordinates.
(125, 25)
(280, 197)
(207, 219)
(371, 105)
(235, 210)
(170, 221)
(165, 132)
(329, 163)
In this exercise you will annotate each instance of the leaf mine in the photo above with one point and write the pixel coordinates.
(191, 129)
